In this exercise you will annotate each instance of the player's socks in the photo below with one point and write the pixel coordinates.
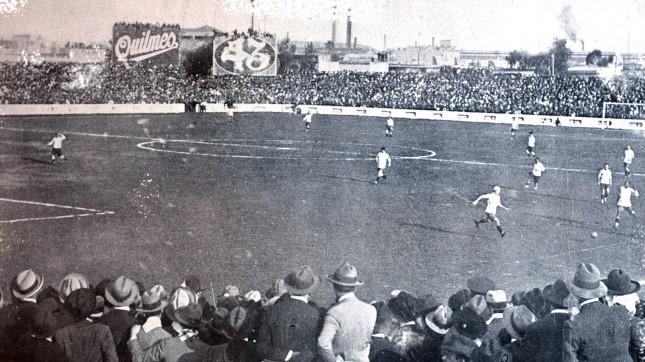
(499, 228)
(477, 224)
(483, 221)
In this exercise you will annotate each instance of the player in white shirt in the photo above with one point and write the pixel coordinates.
(382, 162)
(493, 201)
(530, 147)
(307, 120)
(625, 201)
(604, 181)
(57, 147)
(389, 126)
(535, 174)
(627, 160)
(514, 127)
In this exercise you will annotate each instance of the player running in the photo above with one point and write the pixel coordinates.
(535, 174)
(604, 181)
(530, 147)
(307, 120)
(389, 126)
(515, 125)
(382, 162)
(627, 160)
(493, 201)
(57, 147)
(625, 201)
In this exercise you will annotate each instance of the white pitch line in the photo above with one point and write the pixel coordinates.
(49, 205)
(70, 216)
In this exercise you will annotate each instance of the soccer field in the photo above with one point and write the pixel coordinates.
(156, 197)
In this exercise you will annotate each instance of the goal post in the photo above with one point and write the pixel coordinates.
(623, 110)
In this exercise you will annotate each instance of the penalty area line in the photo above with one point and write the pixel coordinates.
(49, 205)
(70, 216)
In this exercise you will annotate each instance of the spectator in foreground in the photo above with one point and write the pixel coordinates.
(348, 324)
(151, 332)
(39, 346)
(621, 290)
(120, 294)
(598, 332)
(289, 328)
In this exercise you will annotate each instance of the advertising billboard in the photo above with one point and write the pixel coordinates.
(145, 43)
(245, 55)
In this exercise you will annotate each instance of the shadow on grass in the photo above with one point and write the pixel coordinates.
(579, 224)
(433, 228)
(348, 179)
(35, 160)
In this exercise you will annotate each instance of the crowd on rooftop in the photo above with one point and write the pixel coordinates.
(470, 90)
(588, 317)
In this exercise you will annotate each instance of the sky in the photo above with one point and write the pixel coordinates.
(608, 25)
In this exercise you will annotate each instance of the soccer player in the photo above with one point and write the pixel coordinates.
(514, 127)
(493, 201)
(382, 162)
(604, 181)
(625, 201)
(389, 126)
(229, 105)
(57, 147)
(538, 168)
(530, 148)
(307, 120)
(627, 160)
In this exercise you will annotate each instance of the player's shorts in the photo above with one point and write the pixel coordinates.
(535, 178)
(628, 208)
(230, 112)
(58, 152)
(626, 164)
(529, 149)
(604, 188)
(491, 217)
(389, 128)
(380, 172)
(513, 130)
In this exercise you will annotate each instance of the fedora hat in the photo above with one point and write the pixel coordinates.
(516, 319)
(439, 320)
(70, 283)
(151, 302)
(480, 285)
(470, 324)
(559, 294)
(122, 292)
(346, 275)
(302, 281)
(425, 304)
(618, 282)
(457, 300)
(26, 284)
(496, 300)
(586, 282)
(189, 316)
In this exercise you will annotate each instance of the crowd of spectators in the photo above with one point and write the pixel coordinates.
(469, 90)
(583, 318)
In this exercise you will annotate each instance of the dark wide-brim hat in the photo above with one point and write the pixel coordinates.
(302, 281)
(559, 294)
(346, 275)
(189, 316)
(618, 282)
(480, 285)
(470, 324)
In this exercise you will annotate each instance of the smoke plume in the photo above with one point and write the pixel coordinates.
(567, 22)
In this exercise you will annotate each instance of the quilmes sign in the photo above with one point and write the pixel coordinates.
(253, 55)
(137, 43)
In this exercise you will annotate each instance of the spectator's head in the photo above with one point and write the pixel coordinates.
(275, 292)
(152, 303)
(70, 283)
(43, 323)
(302, 281)
(457, 300)
(478, 304)
(470, 324)
(481, 285)
(586, 282)
(621, 289)
(188, 317)
(122, 292)
(425, 304)
(81, 303)
(193, 283)
(559, 296)
(27, 284)
(439, 320)
(240, 322)
(516, 321)
(345, 279)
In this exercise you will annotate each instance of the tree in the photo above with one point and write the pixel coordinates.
(309, 49)
(199, 61)
(593, 57)
(517, 57)
(561, 55)
(286, 51)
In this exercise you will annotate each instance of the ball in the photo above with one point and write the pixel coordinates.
(594, 234)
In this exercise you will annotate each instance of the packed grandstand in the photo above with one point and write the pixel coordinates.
(469, 90)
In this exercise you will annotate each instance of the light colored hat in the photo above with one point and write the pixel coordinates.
(517, 319)
(587, 282)
(346, 275)
(496, 299)
(122, 292)
(439, 320)
(70, 283)
(26, 284)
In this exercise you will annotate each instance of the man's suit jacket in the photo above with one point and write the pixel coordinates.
(119, 322)
(290, 324)
(87, 341)
(14, 324)
(347, 330)
(545, 338)
(599, 333)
